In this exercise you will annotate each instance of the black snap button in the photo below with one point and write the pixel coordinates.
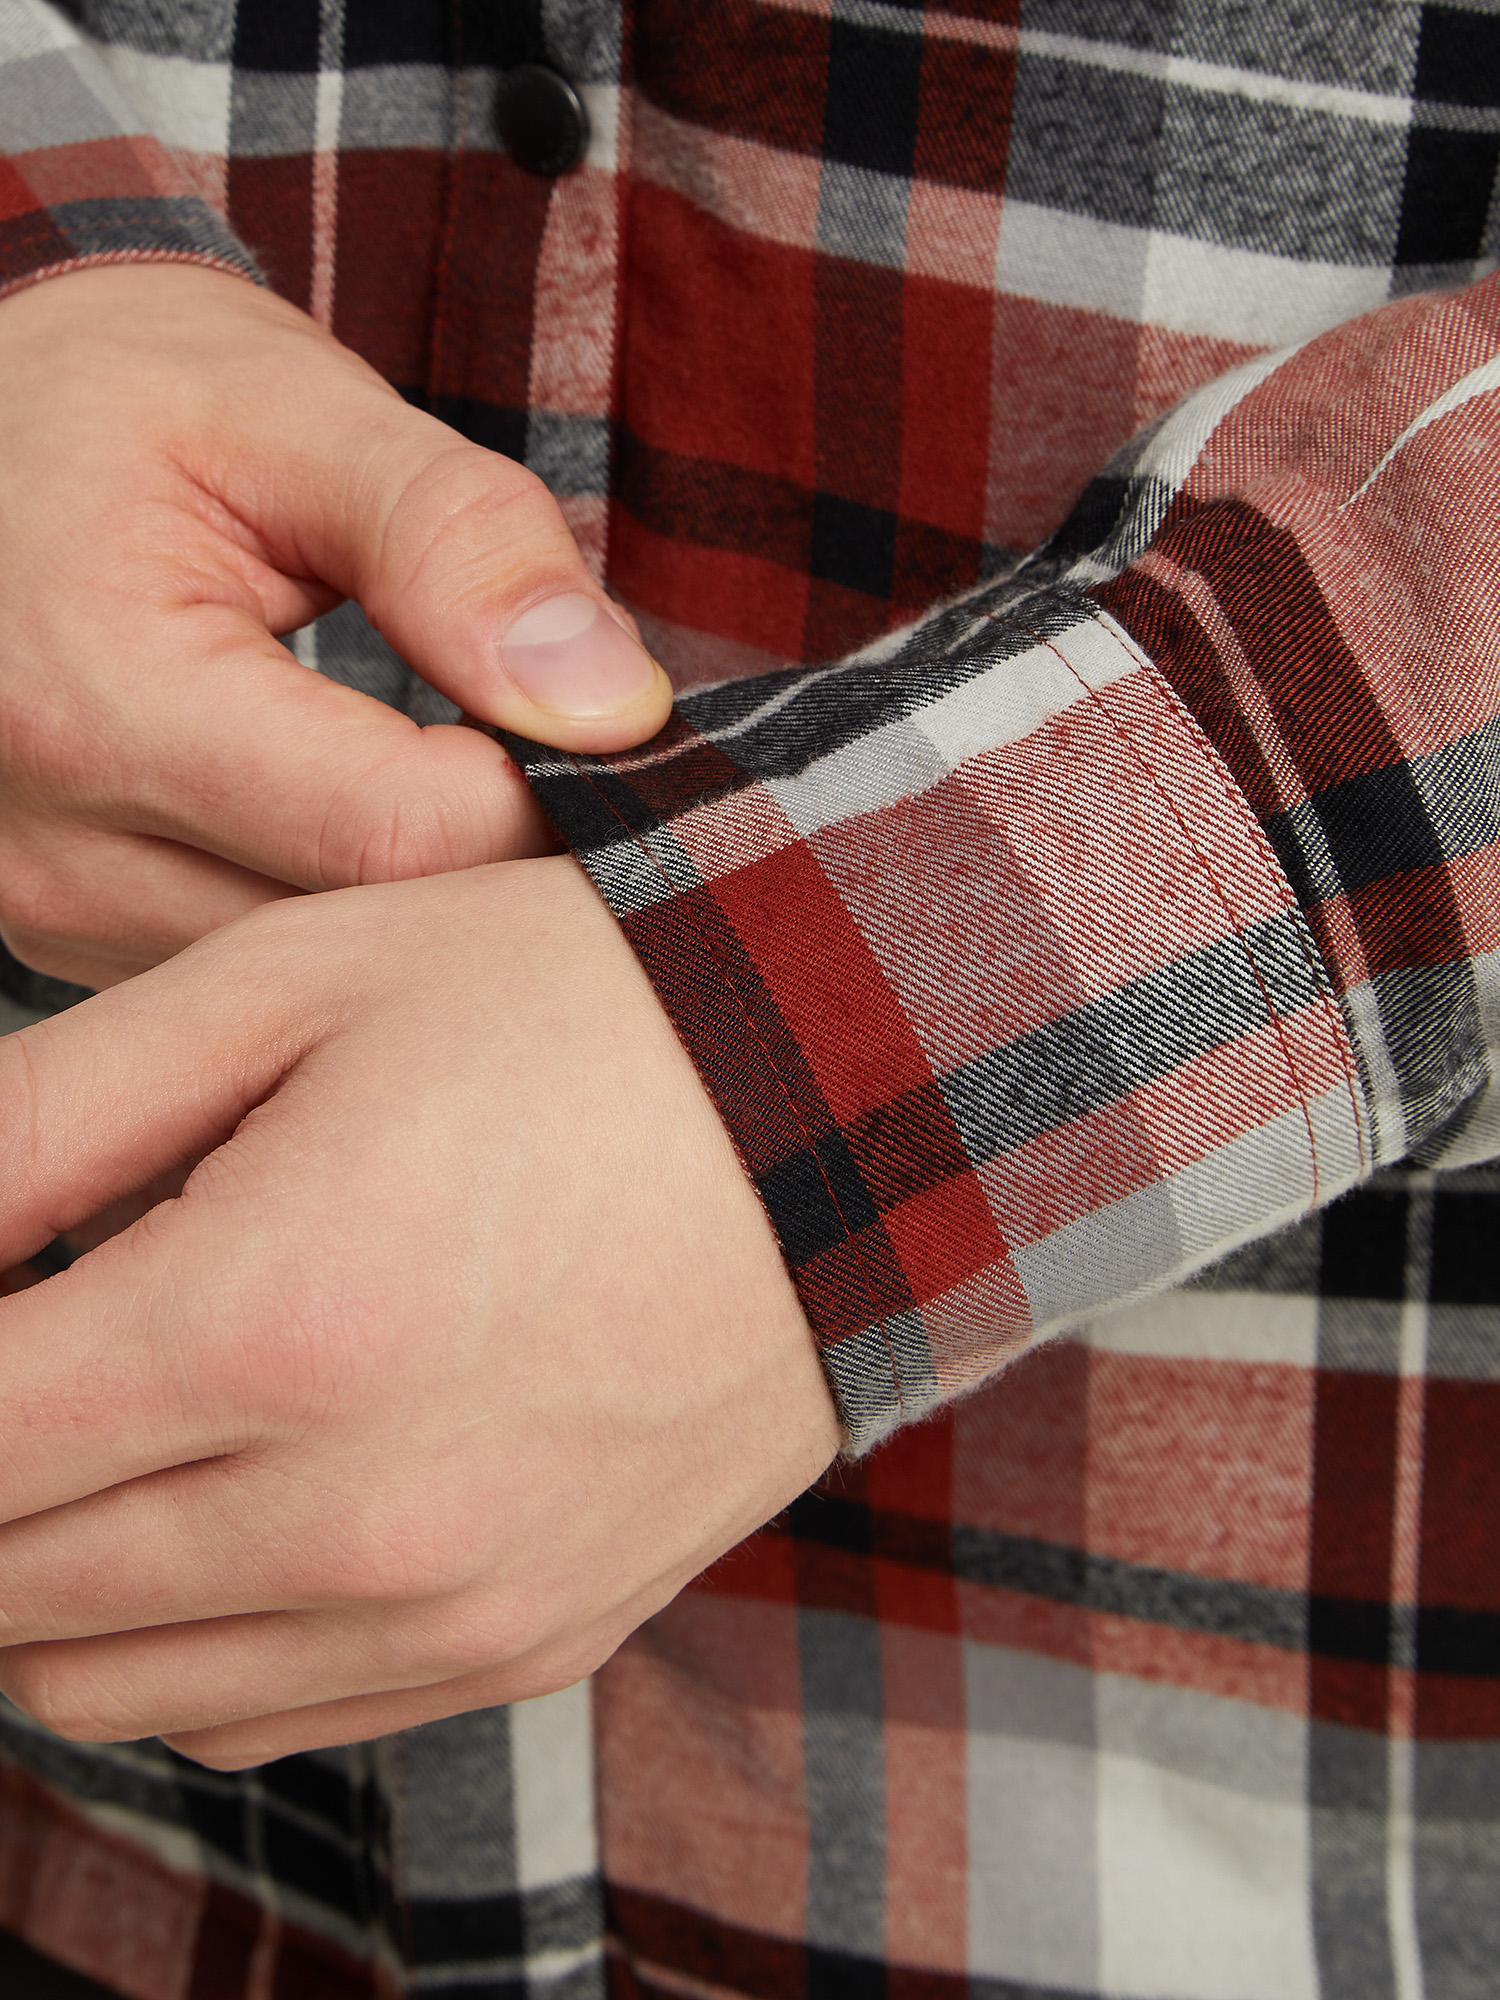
(541, 119)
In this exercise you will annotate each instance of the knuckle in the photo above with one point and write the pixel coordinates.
(353, 1563)
(411, 840)
(460, 479)
(473, 1633)
(257, 936)
(465, 514)
(262, 925)
(284, 1362)
(560, 1667)
(297, 1350)
(445, 799)
(396, 1559)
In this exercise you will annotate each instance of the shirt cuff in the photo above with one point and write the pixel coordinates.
(81, 183)
(992, 974)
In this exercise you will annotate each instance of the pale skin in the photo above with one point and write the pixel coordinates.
(467, 1342)
(189, 466)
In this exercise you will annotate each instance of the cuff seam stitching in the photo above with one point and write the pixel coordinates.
(1210, 874)
(1307, 944)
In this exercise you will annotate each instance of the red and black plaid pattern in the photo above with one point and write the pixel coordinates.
(1093, 924)
(1170, 1664)
(868, 247)
(1080, 874)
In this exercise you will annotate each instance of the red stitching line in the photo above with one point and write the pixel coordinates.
(1094, 695)
(878, 1318)
(1311, 957)
(210, 260)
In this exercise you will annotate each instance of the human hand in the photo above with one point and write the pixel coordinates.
(463, 1350)
(188, 465)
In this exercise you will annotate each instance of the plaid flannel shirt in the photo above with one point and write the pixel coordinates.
(1080, 938)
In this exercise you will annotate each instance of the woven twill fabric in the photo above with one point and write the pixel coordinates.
(1055, 447)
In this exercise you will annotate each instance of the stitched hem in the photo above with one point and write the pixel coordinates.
(1313, 958)
(237, 267)
(1249, 825)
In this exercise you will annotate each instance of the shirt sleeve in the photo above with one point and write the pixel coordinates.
(82, 181)
(1118, 913)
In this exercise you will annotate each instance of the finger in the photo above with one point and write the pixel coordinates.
(124, 1685)
(220, 1538)
(223, 1537)
(96, 1101)
(126, 1362)
(234, 1746)
(119, 1215)
(98, 1387)
(310, 1671)
(462, 559)
(238, 750)
(94, 908)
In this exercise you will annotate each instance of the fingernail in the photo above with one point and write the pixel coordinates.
(569, 655)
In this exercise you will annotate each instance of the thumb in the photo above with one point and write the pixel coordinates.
(462, 559)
